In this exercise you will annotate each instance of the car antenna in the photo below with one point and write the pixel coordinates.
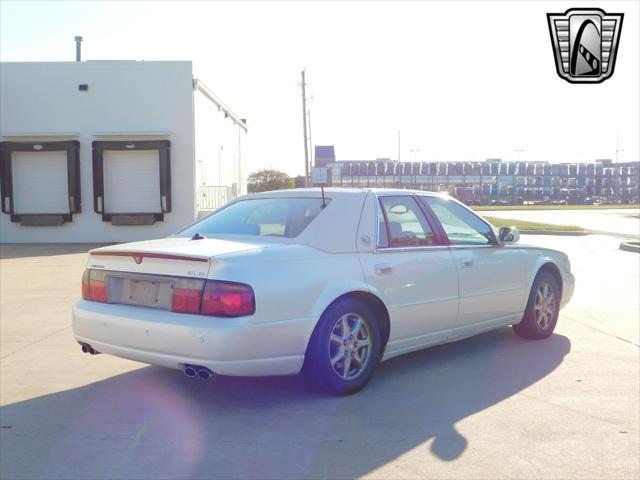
(324, 202)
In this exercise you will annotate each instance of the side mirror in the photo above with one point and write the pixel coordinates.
(509, 235)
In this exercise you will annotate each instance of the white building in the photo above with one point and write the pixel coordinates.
(112, 151)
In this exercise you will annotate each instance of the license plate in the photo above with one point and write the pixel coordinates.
(145, 293)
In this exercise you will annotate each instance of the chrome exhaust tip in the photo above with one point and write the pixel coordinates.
(86, 348)
(189, 371)
(205, 373)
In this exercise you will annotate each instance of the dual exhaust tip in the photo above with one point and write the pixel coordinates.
(193, 371)
(86, 348)
(190, 371)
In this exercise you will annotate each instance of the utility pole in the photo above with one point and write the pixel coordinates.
(398, 146)
(304, 128)
(519, 151)
(219, 164)
(78, 40)
(311, 149)
(618, 150)
(240, 161)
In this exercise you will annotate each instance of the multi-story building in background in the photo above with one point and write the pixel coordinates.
(489, 181)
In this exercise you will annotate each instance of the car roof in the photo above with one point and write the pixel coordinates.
(399, 191)
(333, 191)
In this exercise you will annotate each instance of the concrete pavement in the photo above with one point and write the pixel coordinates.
(607, 283)
(493, 406)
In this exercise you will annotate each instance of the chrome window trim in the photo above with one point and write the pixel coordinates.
(412, 248)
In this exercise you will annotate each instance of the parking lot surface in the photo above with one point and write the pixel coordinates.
(493, 406)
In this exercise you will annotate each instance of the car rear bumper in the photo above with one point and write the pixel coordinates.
(227, 346)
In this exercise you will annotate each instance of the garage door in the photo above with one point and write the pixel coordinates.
(131, 181)
(40, 182)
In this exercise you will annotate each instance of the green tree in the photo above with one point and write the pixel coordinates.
(265, 180)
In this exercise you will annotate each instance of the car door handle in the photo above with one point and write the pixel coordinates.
(383, 269)
(467, 263)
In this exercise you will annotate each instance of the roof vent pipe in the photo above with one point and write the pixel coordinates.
(78, 48)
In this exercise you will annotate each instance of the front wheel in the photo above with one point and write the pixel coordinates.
(344, 348)
(541, 315)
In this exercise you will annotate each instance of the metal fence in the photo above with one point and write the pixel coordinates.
(212, 197)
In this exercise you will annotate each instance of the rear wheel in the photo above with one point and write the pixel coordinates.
(344, 348)
(541, 316)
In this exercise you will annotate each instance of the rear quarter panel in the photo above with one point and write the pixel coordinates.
(292, 283)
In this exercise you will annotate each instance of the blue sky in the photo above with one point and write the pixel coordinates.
(462, 81)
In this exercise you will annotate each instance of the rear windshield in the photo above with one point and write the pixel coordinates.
(273, 217)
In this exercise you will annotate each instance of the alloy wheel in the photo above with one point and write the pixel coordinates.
(545, 306)
(349, 346)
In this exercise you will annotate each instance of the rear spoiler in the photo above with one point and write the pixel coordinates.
(138, 256)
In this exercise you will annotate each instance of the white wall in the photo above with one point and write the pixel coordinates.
(123, 96)
(219, 147)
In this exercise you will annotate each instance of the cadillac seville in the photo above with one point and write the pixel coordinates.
(328, 283)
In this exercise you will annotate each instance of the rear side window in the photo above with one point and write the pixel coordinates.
(402, 224)
(273, 217)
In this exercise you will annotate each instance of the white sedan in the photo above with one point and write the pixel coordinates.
(281, 282)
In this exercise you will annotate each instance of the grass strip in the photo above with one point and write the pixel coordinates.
(553, 207)
(525, 225)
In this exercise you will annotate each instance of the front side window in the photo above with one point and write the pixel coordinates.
(461, 226)
(274, 217)
(402, 224)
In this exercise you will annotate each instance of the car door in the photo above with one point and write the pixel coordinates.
(492, 277)
(413, 272)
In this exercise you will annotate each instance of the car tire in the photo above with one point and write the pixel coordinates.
(344, 349)
(541, 315)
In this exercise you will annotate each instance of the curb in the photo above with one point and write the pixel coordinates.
(566, 233)
(630, 247)
(630, 236)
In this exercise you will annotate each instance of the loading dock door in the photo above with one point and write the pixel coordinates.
(131, 181)
(40, 182)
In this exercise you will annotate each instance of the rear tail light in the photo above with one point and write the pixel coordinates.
(186, 301)
(215, 298)
(187, 295)
(93, 286)
(226, 299)
(86, 292)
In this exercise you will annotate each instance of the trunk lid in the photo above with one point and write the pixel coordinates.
(174, 256)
